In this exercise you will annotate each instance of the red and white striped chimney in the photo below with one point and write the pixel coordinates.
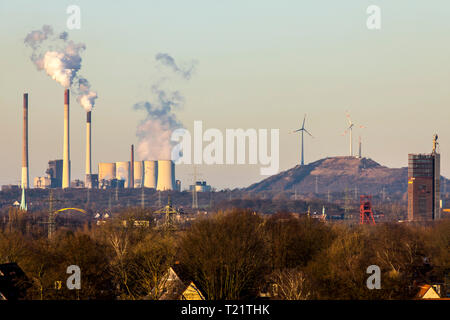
(131, 185)
(88, 143)
(25, 175)
(66, 147)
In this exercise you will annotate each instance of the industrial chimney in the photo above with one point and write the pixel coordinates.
(88, 143)
(25, 175)
(66, 148)
(131, 185)
(359, 153)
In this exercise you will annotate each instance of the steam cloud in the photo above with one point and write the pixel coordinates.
(168, 61)
(61, 59)
(155, 130)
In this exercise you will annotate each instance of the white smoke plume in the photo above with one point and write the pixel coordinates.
(155, 130)
(61, 59)
(86, 97)
(167, 60)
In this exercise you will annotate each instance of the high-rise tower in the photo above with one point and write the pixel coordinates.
(424, 185)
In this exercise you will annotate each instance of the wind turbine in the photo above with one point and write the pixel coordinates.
(302, 129)
(350, 129)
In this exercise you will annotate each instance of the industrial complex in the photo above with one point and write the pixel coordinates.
(157, 174)
(423, 189)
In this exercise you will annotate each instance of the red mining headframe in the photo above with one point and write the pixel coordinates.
(365, 210)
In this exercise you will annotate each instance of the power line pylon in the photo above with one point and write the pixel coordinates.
(347, 207)
(194, 189)
(159, 199)
(211, 200)
(383, 194)
(169, 215)
(143, 198)
(317, 185)
(51, 223)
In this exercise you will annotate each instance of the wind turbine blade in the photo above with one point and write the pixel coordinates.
(362, 127)
(304, 118)
(308, 133)
(348, 118)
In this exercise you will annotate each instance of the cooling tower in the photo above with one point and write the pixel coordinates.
(25, 174)
(66, 148)
(123, 172)
(88, 143)
(106, 171)
(150, 174)
(166, 175)
(138, 174)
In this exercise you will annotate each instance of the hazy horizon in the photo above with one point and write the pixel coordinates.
(260, 64)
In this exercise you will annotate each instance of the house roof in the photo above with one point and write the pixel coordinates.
(426, 292)
(12, 280)
(178, 285)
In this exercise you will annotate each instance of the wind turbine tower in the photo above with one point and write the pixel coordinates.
(302, 130)
(350, 131)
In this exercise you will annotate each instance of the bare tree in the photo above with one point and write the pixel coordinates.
(226, 255)
(289, 284)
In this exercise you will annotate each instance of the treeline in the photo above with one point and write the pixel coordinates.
(232, 255)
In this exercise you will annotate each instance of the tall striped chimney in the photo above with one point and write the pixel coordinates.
(66, 148)
(25, 175)
(88, 143)
(131, 185)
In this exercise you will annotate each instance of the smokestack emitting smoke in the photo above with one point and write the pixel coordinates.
(132, 168)
(66, 147)
(155, 130)
(25, 174)
(61, 60)
(88, 143)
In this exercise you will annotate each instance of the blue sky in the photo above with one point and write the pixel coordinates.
(261, 64)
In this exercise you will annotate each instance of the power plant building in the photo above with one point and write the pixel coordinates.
(42, 183)
(53, 178)
(55, 173)
(156, 174)
(424, 186)
(200, 186)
